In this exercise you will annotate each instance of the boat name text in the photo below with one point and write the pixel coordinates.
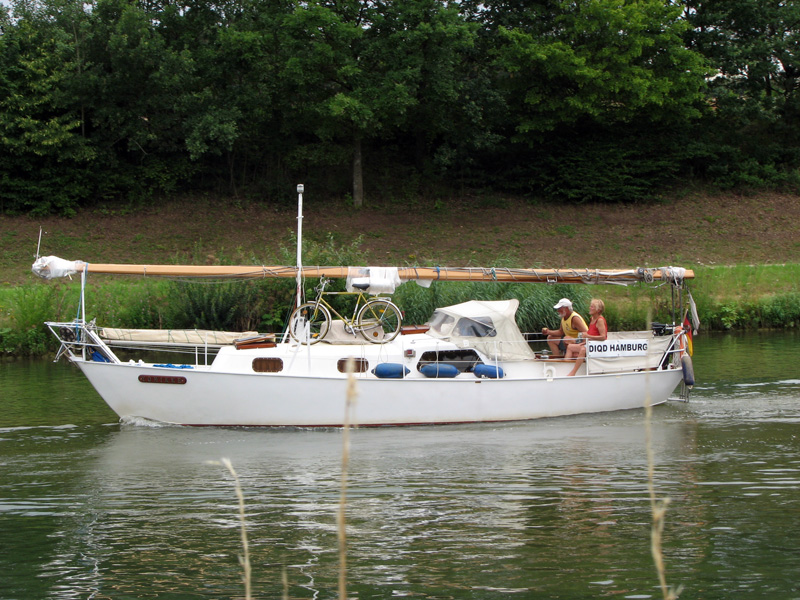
(613, 348)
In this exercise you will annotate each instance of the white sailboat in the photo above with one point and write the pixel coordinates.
(470, 363)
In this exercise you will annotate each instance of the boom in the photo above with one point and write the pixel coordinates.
(50, 267)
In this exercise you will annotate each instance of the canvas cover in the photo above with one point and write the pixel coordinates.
(194, 337)
(490, 327)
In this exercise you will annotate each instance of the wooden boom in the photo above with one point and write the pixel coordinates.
(589, 276)
(50, 267)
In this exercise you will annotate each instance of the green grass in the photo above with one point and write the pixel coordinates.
(747, 281)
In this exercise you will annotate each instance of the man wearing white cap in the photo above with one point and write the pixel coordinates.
(572, 325)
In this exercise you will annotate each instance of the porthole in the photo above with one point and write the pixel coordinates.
(267, 365)
(360, 365)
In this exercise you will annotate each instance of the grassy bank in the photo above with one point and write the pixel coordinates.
(469, 230)
(728, 298)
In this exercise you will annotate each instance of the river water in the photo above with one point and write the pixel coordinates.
(556, 508)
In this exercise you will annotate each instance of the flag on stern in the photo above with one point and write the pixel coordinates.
(687, 328)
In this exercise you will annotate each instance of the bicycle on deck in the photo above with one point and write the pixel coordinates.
(377, 319)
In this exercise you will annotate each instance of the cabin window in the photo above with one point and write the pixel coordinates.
(476, 327)
(441, 322)
(267, 365)
(360, 365)
(463, 360)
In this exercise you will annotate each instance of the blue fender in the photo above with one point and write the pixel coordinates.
(490, 371)
(688, 370)
(439, 370)
(390, 371)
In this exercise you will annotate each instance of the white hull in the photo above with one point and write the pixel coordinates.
(445, 376)
(211, 397)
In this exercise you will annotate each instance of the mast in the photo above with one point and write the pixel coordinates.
(300, 189)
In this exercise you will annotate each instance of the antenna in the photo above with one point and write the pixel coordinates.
(39, 245)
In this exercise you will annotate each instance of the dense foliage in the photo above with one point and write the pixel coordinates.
(124, 100)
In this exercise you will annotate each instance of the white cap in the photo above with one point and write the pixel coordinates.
(564, 302)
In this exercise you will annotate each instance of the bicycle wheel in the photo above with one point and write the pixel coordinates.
(315, 317)
(379, 321)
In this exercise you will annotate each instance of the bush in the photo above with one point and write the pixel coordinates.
(769, 312)
(24, 312)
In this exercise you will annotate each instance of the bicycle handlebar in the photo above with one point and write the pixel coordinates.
(323, 282)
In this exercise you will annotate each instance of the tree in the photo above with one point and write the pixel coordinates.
(46, 156)
(327, 75)
(363, 71)
(136, 100)
(591, 70)
(433, 45)
(234, 104)
(600, 59)
(754, 48)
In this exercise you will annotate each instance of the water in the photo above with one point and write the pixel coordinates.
(557, 508)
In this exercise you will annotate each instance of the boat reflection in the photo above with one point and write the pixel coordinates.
(426, 507)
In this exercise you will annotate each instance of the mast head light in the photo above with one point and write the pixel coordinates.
(300, 188)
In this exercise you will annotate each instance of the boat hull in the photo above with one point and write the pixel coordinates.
(205, 397)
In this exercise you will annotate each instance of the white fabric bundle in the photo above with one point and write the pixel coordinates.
(50, 267)
(382, 280)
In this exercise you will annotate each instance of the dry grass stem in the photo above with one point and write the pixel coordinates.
(245, 558)
(658, 508)
(340, 520)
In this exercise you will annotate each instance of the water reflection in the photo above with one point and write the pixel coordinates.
(746, 357)
(43, 393)
(143, 511)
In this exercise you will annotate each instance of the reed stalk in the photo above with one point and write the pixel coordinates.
(658, 508)
(244, 560)
(340, 517)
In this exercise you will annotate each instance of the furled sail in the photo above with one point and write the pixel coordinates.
(51, 267)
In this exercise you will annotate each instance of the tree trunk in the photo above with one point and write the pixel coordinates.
(358, 175)
(231, 175)
(420, 150)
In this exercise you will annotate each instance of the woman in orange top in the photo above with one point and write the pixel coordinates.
(598, 331)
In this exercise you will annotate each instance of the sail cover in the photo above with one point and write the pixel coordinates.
(52, 267)
(488, 326)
